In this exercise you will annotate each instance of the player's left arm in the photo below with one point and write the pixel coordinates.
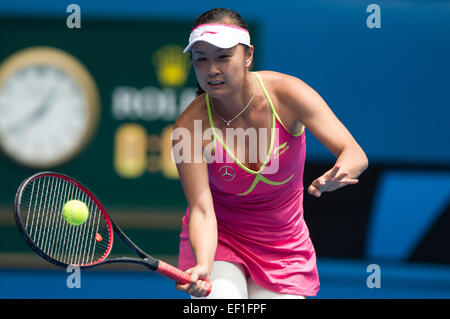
(311, 110)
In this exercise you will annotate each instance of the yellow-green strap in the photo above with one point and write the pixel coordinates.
(272, 107)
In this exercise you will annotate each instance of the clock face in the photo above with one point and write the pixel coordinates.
(45, 114)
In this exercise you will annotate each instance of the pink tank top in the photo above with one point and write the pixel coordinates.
(260, 214)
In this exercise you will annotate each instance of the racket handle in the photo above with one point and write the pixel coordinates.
(176, 274)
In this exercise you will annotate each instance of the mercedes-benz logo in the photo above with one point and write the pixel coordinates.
(227, 173)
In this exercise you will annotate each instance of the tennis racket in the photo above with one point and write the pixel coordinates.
(38, 213)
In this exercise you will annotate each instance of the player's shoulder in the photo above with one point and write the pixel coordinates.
(280, 82)
(196, 110)
(274, 75)
(280, 85)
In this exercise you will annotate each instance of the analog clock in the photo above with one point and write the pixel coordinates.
(49, 107)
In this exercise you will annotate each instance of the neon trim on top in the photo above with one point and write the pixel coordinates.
(272, 137)
(273, 108)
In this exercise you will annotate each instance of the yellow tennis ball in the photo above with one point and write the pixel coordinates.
(75, 212)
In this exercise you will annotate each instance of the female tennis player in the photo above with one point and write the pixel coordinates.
(244, 229)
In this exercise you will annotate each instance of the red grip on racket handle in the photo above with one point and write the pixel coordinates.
(176, 274)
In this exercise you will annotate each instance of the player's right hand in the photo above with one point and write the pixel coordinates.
(199, 279)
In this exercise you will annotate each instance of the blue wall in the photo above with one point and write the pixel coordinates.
(389, 86)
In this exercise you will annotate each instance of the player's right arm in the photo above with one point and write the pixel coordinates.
(193, 174)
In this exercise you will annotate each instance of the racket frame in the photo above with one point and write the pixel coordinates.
(146, 260)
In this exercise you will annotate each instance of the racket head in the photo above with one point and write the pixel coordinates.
(38, 214)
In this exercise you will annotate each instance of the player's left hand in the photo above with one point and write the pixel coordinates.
(333, 179)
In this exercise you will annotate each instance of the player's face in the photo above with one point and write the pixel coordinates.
(220, 71)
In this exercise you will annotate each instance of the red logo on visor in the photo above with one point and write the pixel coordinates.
(212, 32)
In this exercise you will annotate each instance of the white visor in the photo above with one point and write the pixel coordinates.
(220, 35)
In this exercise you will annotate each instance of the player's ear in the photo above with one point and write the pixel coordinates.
(249, 56)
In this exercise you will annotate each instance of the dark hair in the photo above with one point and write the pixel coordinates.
(219, 15)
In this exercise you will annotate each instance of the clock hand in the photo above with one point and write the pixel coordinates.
(42, 108)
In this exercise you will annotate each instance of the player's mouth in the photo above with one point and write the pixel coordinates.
(215, 84)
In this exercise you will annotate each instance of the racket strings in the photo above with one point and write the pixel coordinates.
(41, 212)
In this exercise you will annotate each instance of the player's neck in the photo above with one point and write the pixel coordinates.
(230, 105)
